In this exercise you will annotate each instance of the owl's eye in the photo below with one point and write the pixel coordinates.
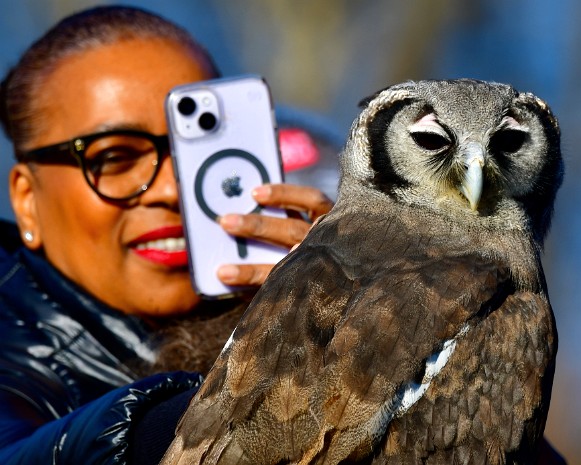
(508, 140)
(430, 141)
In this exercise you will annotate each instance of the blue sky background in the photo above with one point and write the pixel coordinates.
(325, 56)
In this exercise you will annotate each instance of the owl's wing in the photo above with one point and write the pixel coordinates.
(491, 399)
(342, 329)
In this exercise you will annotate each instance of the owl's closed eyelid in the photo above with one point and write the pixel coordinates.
(428, 124)
(429, 134)
(511, 123)
(432, 141)
(508, 140)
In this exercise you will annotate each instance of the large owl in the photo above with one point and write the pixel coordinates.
(412, 325)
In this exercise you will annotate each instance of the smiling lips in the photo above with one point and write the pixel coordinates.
(166, 246)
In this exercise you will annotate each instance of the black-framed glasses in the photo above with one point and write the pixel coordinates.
(118, 164)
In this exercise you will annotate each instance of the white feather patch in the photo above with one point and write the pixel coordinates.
(229, 342)
(411, 392)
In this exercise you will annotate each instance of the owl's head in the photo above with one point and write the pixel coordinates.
(464, 146)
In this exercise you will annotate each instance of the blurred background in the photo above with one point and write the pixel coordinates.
(324, 56)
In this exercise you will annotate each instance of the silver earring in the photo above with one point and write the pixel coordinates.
(28, 236)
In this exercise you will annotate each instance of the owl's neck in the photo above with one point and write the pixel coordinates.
(503, 234)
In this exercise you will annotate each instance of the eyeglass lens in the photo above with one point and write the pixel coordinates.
(119, 166)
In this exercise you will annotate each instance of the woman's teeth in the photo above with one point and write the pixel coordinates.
(172, 244)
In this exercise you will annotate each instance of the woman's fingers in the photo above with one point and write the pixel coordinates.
(284, 232)
(304, 199)
(244, 275)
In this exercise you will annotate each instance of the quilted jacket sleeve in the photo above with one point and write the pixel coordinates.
(97, 433)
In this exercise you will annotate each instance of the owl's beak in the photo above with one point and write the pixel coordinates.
(471, 185)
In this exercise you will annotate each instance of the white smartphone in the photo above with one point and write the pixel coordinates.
(223, 144)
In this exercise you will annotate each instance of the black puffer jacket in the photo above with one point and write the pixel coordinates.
(67, 392)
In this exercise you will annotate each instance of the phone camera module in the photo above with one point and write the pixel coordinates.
(207, 121)
(187, 106)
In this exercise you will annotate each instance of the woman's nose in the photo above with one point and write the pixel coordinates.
(164, 187)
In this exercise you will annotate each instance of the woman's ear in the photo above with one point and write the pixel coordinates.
(22, 197)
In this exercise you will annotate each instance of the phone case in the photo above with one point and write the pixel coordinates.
(223, 143)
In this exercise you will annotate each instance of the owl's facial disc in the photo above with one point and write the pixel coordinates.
(461, 166)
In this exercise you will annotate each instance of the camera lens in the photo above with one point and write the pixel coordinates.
(186, 106)
(207, 121)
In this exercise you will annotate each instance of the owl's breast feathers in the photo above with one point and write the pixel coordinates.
(375, 336)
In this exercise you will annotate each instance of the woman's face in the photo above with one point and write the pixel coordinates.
(118, 252)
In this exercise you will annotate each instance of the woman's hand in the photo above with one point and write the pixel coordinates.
(286, 232)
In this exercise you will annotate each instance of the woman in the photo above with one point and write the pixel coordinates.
(99, 294)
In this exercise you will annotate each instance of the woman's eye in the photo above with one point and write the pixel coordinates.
(114, 161)
(430, 141)
(508, 141)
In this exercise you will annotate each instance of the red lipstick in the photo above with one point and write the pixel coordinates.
(165, 246)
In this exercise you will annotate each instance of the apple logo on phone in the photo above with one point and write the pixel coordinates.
(211, 174)
(231, 186)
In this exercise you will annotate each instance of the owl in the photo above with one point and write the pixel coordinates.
(412, 325)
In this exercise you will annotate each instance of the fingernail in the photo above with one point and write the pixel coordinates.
(261, 193)
(228, 273)
(231, 222)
